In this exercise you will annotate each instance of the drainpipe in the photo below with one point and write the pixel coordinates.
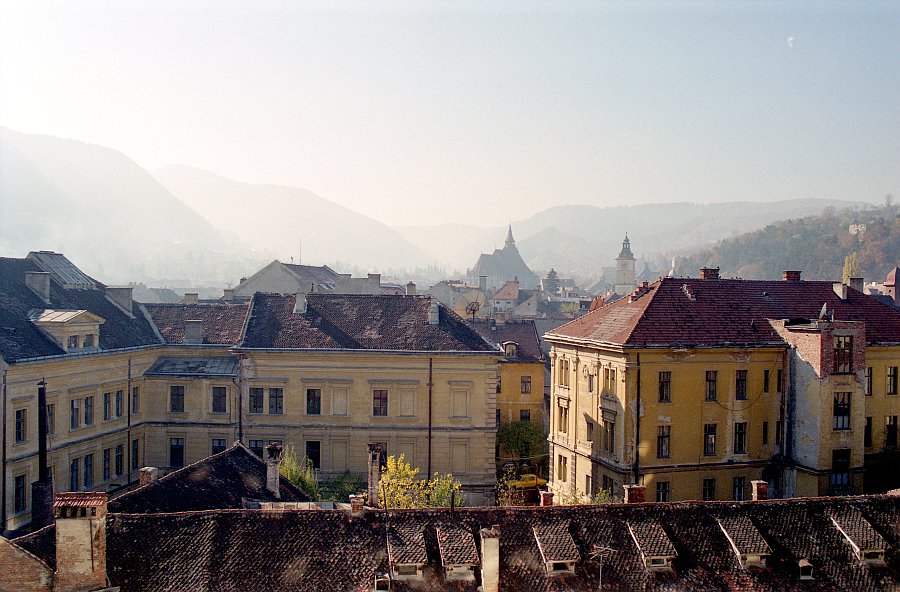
(129, 401)
(3, 486)
(430, 393)
(240, 383)
(636, 467)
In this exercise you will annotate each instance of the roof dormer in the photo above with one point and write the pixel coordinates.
(557, 548)
(866, 543)
(458, 553)
(657, 551)
(72, 330)
(746, 541)
(406, 552)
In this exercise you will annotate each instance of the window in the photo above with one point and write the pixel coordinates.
(779, 379)
(562, 425)
(313, 401)
(563, 372)
(663, 434)
(176, 452)
(890, 431)
(740, 385)
(840, 469)
(89, 340)
(135, 400)
(21, 501)
(867, 434)
(120, 403)
(739, 488)
(74, 416)
(107, 406)
(219, 399)
(120, 459)
(73, 475)
(765, 381)
(765, 433)
(590, 384)
(380, 402)
(709, 490)
(611, 382)
(524, 415)
(709, 439)
(841, 419)
(609, 436)
(588, 486)
(589, 431)
(740, 437)
(276, 401)
(256, 446)
(711, 377)
(314, 453)
(663, 491)
(843, 354)
(892, 380)
(176, 399)
(135, 457)
(107, 464)
(562, 468)
(869, 381)
(88, 470)
(497, 419)
(51, 419)
(73, 342)
(21, 425)
(88, 411)
(218, 445)
(256, 400)
(779, 432)
(525, 385)
(665, 387)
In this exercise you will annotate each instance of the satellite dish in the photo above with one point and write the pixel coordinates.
(823, 312)
(469, 303)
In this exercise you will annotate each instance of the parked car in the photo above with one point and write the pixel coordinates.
(527, 481)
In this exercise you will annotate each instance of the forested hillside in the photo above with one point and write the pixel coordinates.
(817, 245)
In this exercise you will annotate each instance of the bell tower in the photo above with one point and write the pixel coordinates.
(625, 277)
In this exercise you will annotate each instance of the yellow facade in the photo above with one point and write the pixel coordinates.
(461, 408)
(521, 392)
(707, 436)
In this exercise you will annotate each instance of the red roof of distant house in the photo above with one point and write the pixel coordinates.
(509, 291)
(713, 312)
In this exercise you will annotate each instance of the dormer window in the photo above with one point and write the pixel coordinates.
(806, 569)
(458, 553)
(561, 567)
(408, 571)
(660, 563)
(70, 329)
(89, 340)
(557, 548)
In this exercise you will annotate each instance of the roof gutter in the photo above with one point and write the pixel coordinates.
(392, 352)
(3, 484)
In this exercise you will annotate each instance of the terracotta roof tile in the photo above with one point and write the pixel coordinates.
(406, 544)
(522, 332)
(222, 323)
(697, 312)
(555, 542)
(457, 545)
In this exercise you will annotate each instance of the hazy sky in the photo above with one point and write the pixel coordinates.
(424, 112)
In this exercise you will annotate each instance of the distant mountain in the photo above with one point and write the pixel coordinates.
(105, 212)
(816, 245)
(579, 240)
(290, 221)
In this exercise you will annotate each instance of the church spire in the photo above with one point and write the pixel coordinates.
(510, 241)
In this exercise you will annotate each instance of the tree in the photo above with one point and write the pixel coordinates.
(300, 472)
(522, 438)
(400, 487)
(851, 267)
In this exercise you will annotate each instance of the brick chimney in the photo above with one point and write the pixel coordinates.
(709, 273)
(228, 294)
(546, 498)
(39, 283)
(121, 296)
(193, 331)
(357, 506)
(790, 275)
(490, 559)
(635, 494)
(375, 451)
(80, 541)
(760, 490)
(274, 455)
(411, 289)
(148, 475)
(857, 283)
(191, 298)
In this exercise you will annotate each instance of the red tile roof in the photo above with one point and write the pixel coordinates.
(522, 332)
(222, 323)
(509, 291)
(80, 499)
(353, 321)
(697, 312)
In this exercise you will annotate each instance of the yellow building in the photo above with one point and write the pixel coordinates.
(695, 387)
(130, 385)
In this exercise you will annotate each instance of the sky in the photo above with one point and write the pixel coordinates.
(418, 113)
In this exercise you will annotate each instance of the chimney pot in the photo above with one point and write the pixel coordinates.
(490, 559)
(357, 506)
(760, 490)
(39, 283)
(546, 498)
(80, 541)
(228, 294)
(193, 331)
(274, 455)
(375, 451)
(191, 298)
(411, 289)
(709, 273)
(635, 494)
(791, 275)
(148, 475)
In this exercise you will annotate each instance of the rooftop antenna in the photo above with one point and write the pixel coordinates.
(472, 309)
